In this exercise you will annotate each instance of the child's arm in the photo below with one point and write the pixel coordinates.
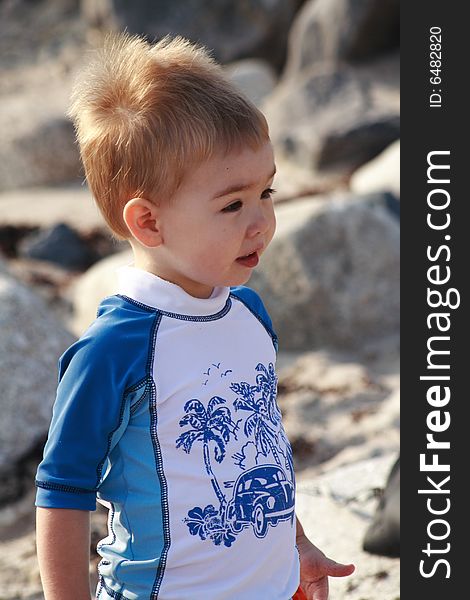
(63, 548)
(315, 568)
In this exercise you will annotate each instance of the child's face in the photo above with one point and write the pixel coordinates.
(219, 222)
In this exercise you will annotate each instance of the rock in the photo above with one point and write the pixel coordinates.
(336, 524)
(60, 245)
(10, 237)
(38, 142)
(54, 31)
(234, 30)
(49, 281)
(337, 410)
(254, 77)
(46, 206)
(341, 30)
(30, 345)
(325, 373)
(392, 204)
(94, 285)
(383, 534)
(19, 567)
(354, 485)
(331, 274)
(380, 174)
(293, 181)
(336, 117)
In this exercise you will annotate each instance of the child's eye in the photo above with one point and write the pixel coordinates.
(268, 193)
(234, 207)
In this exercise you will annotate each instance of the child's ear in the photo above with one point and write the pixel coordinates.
(141, 218)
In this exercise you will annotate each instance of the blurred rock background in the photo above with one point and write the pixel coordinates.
(326, 74)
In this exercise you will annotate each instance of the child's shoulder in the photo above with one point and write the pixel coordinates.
(117, 318)
(121, 334)
(249, 297)
(253, 302)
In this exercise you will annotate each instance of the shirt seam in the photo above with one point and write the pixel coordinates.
(159, 467)
(270, 332)
(198, 318)
(99, 469)
(48, 485)
(110, 592)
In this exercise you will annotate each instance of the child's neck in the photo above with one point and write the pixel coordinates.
(197, 290)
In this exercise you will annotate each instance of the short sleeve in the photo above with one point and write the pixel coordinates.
(89, 416)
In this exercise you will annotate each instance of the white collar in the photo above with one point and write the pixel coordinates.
(151, 290)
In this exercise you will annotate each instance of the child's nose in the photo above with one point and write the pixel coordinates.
(260, 224)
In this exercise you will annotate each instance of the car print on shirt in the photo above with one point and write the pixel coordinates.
(263, 494)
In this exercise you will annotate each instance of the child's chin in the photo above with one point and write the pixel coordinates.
(241, 280)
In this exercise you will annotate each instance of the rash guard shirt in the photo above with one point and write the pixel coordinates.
(166, 412)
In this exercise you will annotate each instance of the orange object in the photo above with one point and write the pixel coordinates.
(299, 595)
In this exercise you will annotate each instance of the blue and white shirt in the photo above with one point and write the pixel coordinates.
(166, 412)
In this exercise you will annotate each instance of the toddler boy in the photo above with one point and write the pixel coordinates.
(166, 407)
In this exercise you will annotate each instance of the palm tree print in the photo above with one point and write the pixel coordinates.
(267, 385)
(211, 426)
(260, 400)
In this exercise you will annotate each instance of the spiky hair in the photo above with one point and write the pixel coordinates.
(145, 114)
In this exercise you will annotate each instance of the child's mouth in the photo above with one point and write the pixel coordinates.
(250, 260)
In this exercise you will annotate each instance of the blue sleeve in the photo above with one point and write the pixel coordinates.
(89, 413)
(96, 377)
(254, 303)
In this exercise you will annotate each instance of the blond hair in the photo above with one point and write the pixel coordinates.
(146, 114)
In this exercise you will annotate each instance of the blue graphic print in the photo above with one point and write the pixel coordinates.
(263, 424)
(263, 494)
(212, 425)
(208, 523)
